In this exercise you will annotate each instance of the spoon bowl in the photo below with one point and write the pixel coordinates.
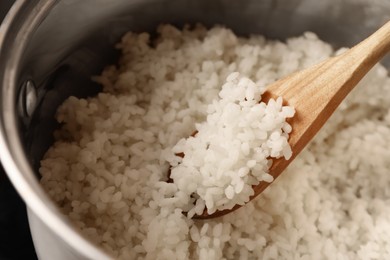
(315, 93)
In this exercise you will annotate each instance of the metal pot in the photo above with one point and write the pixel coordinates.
(49, 49)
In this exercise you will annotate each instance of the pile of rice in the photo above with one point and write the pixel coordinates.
(108, 167)
(229, 152)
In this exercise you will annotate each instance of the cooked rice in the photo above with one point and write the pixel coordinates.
(233, 149)
(108, 167)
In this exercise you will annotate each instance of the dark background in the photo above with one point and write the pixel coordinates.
(15, 237)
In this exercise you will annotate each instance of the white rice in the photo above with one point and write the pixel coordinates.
(229, 152)
(108, 168)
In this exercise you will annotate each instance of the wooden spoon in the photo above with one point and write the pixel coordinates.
(315, 93)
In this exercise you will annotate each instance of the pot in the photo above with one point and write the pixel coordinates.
(49, 49)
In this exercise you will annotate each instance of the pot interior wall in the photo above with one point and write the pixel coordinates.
(75, 40)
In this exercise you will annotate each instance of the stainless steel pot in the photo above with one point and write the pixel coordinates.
(49, 49)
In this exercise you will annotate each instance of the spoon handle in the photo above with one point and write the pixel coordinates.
(372, 49)
(356, 62)
(316, 92)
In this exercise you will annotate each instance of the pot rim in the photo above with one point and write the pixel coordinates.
(18, 27)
